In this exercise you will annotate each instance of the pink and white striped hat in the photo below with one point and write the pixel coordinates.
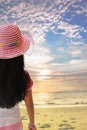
(12, 42)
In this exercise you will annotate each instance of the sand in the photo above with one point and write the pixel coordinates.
(65, 118)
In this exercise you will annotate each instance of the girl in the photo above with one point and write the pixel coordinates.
(15, 82)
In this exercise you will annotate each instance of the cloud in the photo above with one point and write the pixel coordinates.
(31, 15)
(40, 17)
(73, 65)
(78, 51)
(40, 58)
(76, 79)
(69, 30)
(77, 43)
(75, 51)
(74, 62)
(61, 49)
(80, 9)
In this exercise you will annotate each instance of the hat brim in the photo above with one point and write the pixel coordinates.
(20, 50)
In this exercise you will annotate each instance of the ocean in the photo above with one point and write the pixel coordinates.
(60, 99)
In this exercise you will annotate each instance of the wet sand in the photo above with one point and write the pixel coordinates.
(60, 118)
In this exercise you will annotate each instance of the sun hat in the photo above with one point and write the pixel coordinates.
(12, 42)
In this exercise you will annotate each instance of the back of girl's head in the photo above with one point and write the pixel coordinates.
(12, 81)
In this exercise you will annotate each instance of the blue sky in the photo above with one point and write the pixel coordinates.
(59, 30)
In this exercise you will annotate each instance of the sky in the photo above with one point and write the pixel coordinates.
(57, 61)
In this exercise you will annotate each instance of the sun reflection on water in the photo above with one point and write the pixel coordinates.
(43, 97)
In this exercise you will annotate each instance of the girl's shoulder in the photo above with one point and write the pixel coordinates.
(29, 80)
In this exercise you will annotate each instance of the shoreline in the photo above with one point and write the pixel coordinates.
(61, 106)
(56, 106)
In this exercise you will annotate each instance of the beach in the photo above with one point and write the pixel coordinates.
(58, 118)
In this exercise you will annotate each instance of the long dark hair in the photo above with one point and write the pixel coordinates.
(12, 81)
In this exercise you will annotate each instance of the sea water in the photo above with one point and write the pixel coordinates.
(58, 99)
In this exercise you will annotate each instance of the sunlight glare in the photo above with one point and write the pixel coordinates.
(43, 96)
(45, 72)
